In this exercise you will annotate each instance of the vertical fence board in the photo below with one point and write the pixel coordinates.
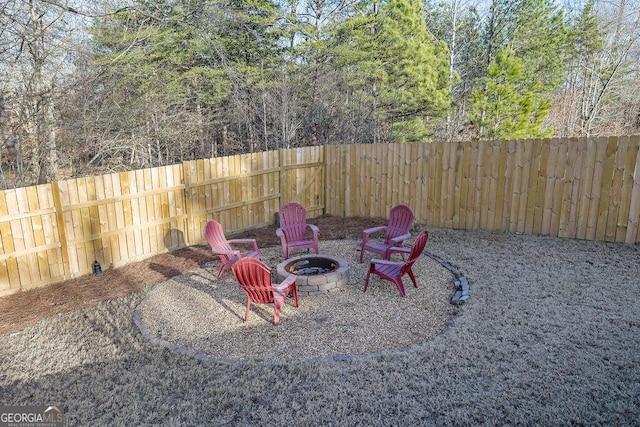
(600, 146)
(143, 215)
(431, 177)
(570, 190)
(473, 196)
(335, 177)
(513, 186)
(632, 235)
(605, 205)
(419, 171)
(37, 227)
(533, 166)
(30, 259)
(68, 198)
(84, 220)
(559, 157)
(486, 181)
(467, 193)
(585, 188)
(50, 232)
(13, 209)
(127, 215)
(516, 184)
(451, 193)
(546, 202)
(496, 194)
(509, 153)
(432, 182)
(9, 272)
(633, 150)
(119, 207)
(6, 249)
(541, 172)
(375, 183)
(616, 189)
(134, 214)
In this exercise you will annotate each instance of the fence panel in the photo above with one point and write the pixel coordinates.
(241, 192)
(587, 188)
(302, 173)
(29, 251)
(336, 175)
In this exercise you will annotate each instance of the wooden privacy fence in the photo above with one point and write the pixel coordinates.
(50, 233)
(575, 188)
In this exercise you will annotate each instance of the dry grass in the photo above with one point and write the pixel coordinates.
(550, 336)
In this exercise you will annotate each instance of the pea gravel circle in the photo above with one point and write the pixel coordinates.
(203, 315)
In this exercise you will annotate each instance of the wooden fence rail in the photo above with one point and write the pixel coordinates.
(575, 188)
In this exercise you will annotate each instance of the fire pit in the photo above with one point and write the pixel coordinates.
(317, 274)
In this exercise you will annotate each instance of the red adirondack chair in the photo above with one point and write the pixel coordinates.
(294, 232)
(254, 277)
(397, 231)
(394, 271)
(222, 247)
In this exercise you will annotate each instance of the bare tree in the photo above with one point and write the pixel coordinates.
(600, 95)
(36, 42)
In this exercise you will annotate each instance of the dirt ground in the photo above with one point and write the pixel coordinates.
(27, 308)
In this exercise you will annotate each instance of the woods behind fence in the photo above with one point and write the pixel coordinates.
(573, 188)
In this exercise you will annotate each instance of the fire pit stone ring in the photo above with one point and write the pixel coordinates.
(316, 274)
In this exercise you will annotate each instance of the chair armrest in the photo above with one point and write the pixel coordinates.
(386, 262)
(225, 252)
(280, 291)
(397, 250)
(279, 232)
(291, 278)
(252, 242)
(314, 228)
(372, 230)
(399, 239)
(369, 231)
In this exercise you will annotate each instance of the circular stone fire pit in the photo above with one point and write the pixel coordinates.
(317, 274)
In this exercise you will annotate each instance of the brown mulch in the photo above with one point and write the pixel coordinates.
(27, 308)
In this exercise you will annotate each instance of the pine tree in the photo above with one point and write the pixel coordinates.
(181, 62)
(396, 68)
(528, 38)
(508, 107)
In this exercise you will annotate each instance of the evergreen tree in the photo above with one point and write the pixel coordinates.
(508, 107)
(458, 23)
(395, 69)
(531, 34)
(189, 71)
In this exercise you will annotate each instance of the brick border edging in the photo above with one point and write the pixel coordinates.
(461, 283)
(460, 296)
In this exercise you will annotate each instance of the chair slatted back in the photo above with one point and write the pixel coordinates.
(293, 221)
(254, 277)
(401, 219)
(416, 250)
(215, 236)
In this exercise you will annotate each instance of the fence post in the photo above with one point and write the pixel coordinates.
(186, 180)
(62, 233)
(281, 178)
